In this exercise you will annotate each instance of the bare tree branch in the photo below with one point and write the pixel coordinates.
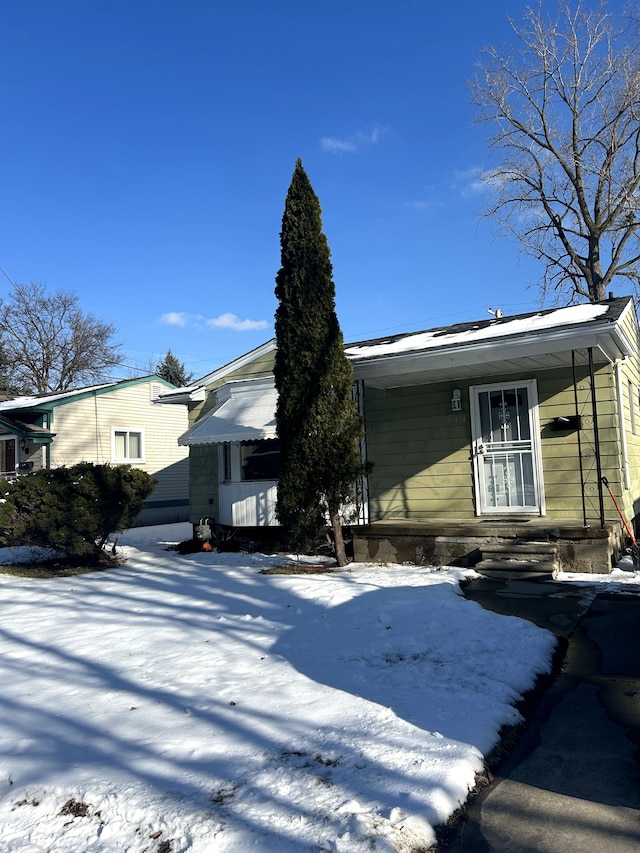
(51, 344)
(566, 111)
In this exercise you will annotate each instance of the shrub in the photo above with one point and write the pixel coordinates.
(72, 510)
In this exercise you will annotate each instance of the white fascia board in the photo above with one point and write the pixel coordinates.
(183, 396)
(237, 363)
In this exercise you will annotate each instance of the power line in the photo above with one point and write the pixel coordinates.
(8, 277)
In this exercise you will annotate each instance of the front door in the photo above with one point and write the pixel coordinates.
(506, 448)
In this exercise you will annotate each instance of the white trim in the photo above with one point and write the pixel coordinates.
(127, 460)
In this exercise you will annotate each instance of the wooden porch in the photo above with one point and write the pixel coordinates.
(530, 546)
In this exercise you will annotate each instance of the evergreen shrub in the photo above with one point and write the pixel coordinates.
(72, 510)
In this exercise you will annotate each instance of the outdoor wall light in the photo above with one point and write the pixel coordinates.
(456, 400)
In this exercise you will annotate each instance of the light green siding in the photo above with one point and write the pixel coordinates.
(629, 498)
(203, 488)
(422, 452)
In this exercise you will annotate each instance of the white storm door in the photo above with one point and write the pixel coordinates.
(506, 448)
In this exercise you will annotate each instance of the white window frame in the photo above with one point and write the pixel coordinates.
(128, 431)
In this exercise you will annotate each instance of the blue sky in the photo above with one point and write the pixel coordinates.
(147, 147)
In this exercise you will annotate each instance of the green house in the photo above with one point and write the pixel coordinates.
(527, 423)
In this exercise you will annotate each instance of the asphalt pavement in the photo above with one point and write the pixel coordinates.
(572, 782)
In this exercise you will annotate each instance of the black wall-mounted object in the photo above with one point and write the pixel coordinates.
(567, 423)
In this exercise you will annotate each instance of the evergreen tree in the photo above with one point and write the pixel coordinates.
(172, 370)
(319, 426)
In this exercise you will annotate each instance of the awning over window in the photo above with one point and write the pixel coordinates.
(245, 416)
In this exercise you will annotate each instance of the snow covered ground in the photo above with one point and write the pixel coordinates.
(192, 703)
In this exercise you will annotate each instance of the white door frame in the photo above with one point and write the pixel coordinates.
(481, 449)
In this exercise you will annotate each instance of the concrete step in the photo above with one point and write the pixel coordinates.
(528, 550)
(505, 568)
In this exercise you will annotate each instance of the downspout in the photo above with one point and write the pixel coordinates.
(626, 472)
(95, 418)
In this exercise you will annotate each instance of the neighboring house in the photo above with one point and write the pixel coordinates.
(117, 423)
(504, 421)
(231, 441)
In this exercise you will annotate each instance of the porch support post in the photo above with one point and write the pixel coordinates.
(596, 437)
(575, 397)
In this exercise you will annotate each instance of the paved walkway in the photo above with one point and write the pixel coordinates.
(572, 785)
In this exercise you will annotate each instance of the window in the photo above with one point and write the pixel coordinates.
(249, 461)
(127, 445)
(260, 460)
(226, 448)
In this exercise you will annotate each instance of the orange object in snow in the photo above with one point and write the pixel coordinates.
(206, 546)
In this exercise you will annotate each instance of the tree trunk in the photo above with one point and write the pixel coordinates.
(338, 539)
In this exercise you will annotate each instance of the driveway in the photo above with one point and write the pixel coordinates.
(573, 781)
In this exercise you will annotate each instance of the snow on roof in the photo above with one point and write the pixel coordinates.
(30, 402)
(485, 330)
(36, 399)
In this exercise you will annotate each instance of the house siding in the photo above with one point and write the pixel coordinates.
(204, 489)
(422, 454)
(629, 499)
(83, 430)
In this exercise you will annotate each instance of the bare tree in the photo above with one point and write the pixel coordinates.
(50, 343)
(566, 107)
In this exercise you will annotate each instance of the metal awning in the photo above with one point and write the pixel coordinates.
(243, 415)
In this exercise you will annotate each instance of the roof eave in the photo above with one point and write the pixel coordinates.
(607, 338)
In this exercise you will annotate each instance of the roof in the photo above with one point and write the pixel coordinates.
(539, 340)
(197, 391)
(37, 434)
(245, 411)
(50, 401)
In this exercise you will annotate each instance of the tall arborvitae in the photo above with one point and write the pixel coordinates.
(319, 426)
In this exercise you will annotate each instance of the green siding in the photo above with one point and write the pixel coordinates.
(203, 483)
(421, 454)
(629, 499)
(421, 451)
